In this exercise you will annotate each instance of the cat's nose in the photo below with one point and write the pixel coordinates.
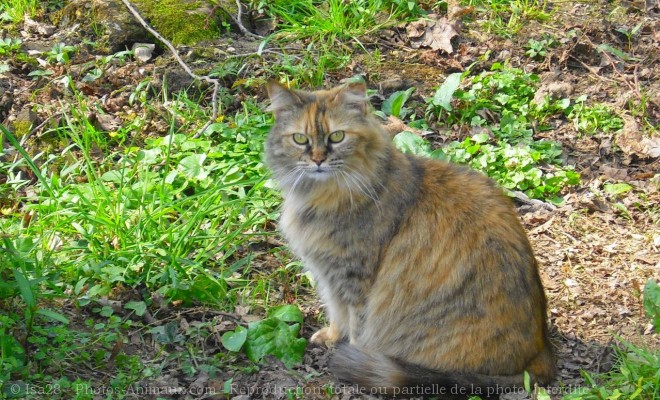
(318, 157)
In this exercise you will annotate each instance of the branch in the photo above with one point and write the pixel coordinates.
(239, 21)
(214, 82)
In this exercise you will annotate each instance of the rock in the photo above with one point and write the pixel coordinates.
(143, 51)
(38, 27)
(23, 122)
(106, 21)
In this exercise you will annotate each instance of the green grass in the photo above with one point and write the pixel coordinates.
(93, 212)
(636, 375)
(508, 17)
(331, 30)
(15, 10)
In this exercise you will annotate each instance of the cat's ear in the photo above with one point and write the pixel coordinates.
(281, 97)
(354, 96)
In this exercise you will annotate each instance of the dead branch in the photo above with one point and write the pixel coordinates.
(205, 78)
(239, 22)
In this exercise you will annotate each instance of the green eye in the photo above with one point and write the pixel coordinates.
(336, 136)
(299, 138)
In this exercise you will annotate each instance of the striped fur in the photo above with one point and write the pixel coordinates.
(422, 265)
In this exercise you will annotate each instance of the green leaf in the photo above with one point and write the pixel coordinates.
(394, 104)
(234, 340)
(273, 336)
(410, 143)
(606, 48)
(140, 307)
(25, 288)
(192, 166)
(287, 313)
(652, 302)
(445, 92)
(113, 176)
(481, 137)
(527, 382)
(541, 394)
(55, 316)
(616, 188)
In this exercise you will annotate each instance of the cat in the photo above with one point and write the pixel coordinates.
(426, 273)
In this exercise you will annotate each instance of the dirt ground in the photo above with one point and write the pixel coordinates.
(596, 251)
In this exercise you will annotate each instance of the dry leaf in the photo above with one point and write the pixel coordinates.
(633, 142)
(436, 34)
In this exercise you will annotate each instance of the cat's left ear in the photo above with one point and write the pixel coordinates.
(354, 96)
(281, 98)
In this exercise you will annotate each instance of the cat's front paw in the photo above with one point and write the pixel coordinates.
(328, 336)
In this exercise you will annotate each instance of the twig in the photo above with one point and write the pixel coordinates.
(205, 78)
(239, 21)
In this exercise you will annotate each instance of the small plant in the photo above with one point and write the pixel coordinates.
(276, 335)
(9, 46)
(635, 376)
(652, 303)
(394, 104)
(60, 53)
(538, 49)
(507, 17)
(591, 120)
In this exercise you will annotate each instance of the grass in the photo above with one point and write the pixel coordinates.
(508, 17)
(15, 10)
(172, 215)
(636, 375)
(331, 30)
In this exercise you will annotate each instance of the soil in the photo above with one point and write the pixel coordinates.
(596, 251)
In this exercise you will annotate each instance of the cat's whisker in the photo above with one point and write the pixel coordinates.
(366, 188)
(348, 186)
(289, 176)
(295, 184)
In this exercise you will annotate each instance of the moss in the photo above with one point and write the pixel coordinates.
(181, 22)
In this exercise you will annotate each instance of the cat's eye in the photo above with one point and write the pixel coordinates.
(299, 138)
(336, 136)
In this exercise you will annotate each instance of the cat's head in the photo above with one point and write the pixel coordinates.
(323, 137)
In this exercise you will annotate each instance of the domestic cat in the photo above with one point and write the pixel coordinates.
(426, 273)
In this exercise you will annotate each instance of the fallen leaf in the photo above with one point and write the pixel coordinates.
(436, 34)
(633, 142)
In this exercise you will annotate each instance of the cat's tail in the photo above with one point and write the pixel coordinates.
(380, 374)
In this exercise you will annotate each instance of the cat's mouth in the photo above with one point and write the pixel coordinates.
(319, 173)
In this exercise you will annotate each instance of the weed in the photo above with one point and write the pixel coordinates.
(60, 53)
(591, 120)
(9, 46)
(635, 375)
(507, 17)
(500, 103)
(538, 49)
(276, 335)
(394, 105)
(15, 10)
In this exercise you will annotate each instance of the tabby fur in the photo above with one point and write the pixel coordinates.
(426, 273)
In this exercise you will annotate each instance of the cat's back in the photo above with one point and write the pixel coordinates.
(457, 278)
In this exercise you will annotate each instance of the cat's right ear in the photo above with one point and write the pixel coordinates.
(281, 98)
